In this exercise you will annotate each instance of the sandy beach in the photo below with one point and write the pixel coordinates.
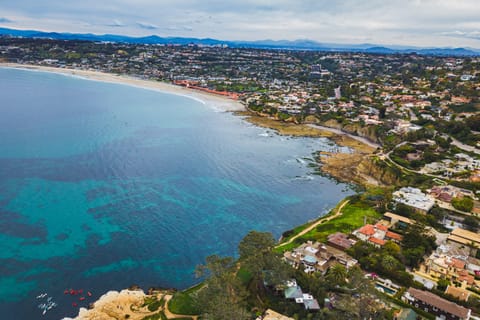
(216, 102)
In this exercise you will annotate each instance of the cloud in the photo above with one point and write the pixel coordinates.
(116, 24)
(462, 34)
(5, 20)
(412, 22)
(147, 26)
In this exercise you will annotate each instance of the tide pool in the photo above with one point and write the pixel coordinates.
(103, 186)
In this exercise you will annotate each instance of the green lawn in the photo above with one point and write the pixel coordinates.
(183, 302)
(352, 218)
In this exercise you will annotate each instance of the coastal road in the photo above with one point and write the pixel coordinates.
(463, 146)
(309, 228)
(386, 156)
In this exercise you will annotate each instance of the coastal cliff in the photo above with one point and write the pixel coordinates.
(367, 132)
(359, 168)
(132, 304)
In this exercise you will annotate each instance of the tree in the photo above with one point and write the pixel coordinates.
(255, 244)
(416, 243)
(358, 282)
(389, 263)
(223, 296)
(414, 256)
(442, 284)
(473, 122)
(337, 274)
(391, 248)
(256, 256)
(382, 111)
(471, 223)
(438, 213)
(463, 204)
(404, 210)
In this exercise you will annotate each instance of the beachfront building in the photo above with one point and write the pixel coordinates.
(414, 198)
(433, 304)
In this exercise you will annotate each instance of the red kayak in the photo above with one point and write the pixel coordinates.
(81, 298)
(89, 293)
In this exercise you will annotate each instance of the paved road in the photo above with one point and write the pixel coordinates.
(465, 147)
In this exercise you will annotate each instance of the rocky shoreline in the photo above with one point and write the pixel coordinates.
(354, 167)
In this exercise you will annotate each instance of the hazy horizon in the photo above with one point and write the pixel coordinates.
(421, 23)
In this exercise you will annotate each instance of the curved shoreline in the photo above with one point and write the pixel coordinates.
(218, 103)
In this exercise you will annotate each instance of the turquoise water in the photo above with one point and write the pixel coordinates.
(103, 186)
(385, 289)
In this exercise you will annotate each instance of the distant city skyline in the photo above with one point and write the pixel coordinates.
(440, 23)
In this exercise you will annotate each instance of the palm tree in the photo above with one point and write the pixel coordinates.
(337, 274)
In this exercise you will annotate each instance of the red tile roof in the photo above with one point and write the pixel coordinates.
(463, 275)
(376, 241)
(459, 264)
(367, 229)
(381, 227)
(393, 235)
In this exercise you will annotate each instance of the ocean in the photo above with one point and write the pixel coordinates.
(103, 186)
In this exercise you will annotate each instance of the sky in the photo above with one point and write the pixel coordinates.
(440, 23)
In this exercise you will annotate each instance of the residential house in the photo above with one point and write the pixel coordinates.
(377, 234)
(317, 257)
(414, 198)
(465, 238)
(397, 220)
(294, 291)
(458, 293)
(442, 266)
(340, 241)
(444, 193)
(436, 305)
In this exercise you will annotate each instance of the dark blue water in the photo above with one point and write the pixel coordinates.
(103, 186)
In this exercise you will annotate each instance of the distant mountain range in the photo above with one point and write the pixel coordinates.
(261, 44)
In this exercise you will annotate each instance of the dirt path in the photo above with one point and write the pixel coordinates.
(340, 132)
(171, 315)
(337, 213)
